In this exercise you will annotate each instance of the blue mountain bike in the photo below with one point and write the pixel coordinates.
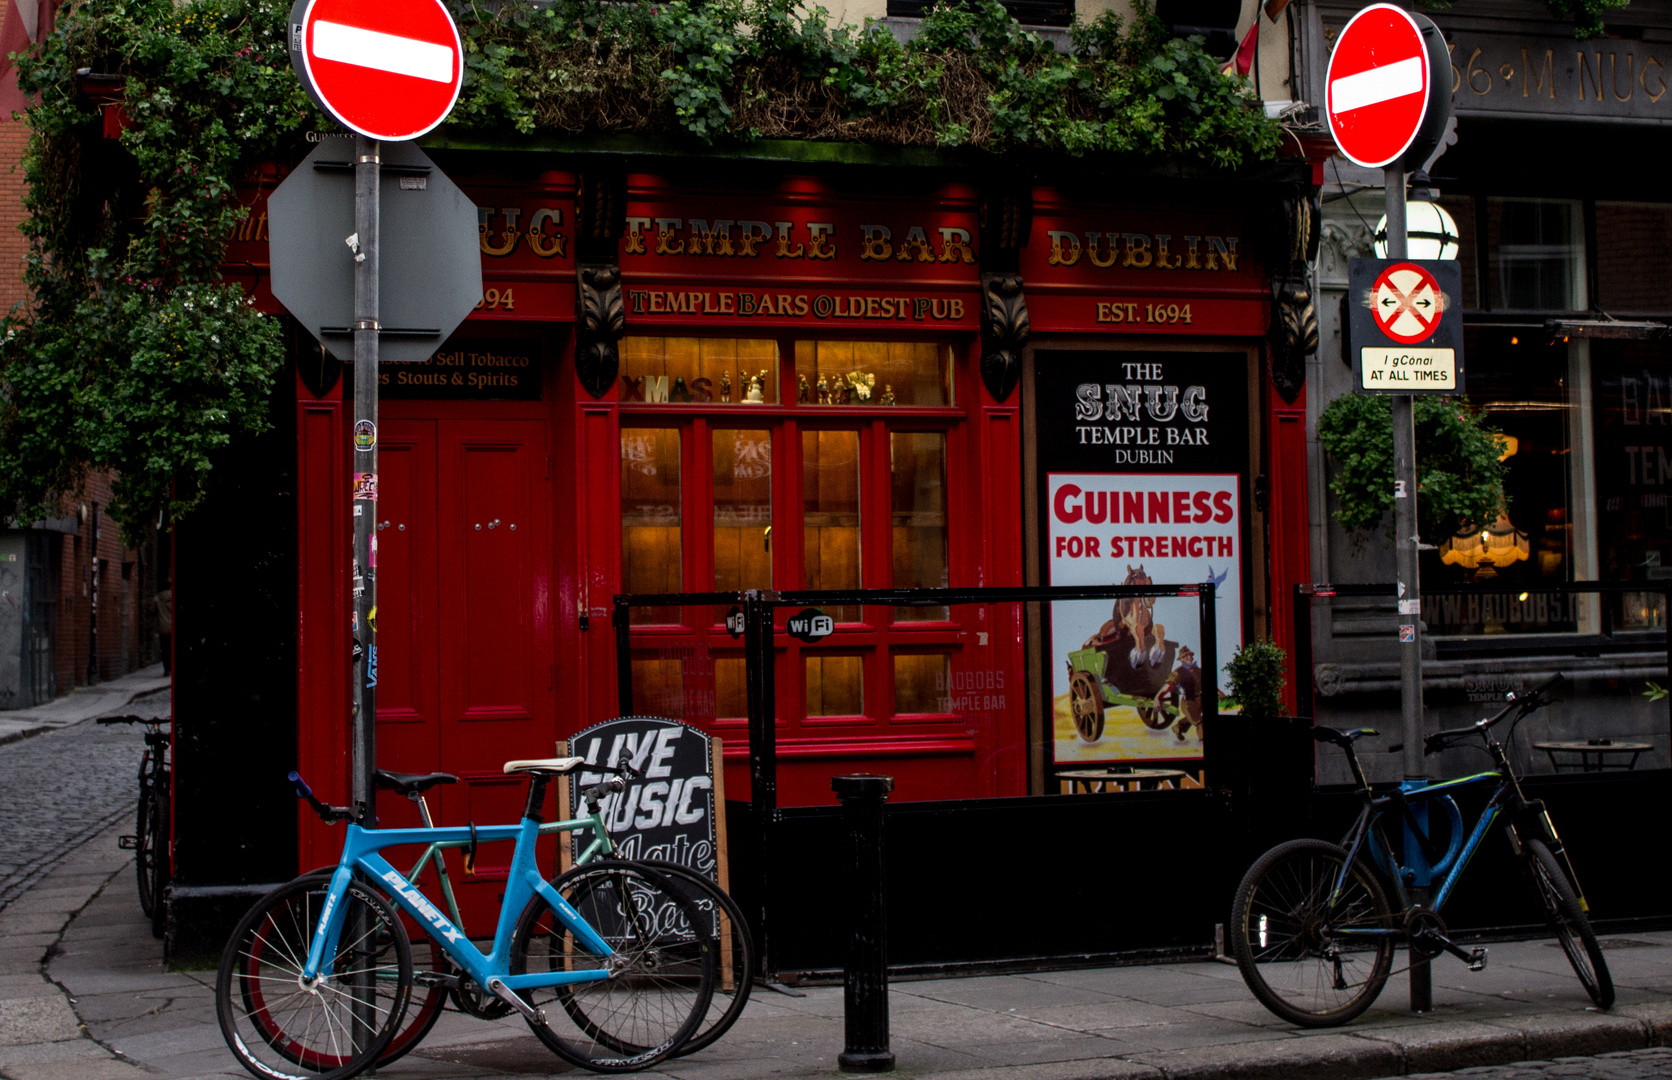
(1313, 931)
(611, 965)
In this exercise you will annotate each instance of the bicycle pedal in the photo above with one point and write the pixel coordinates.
(1477, 959)
(127, 843)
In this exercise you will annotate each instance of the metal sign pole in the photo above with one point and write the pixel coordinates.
(364, 698)
(1409, 600)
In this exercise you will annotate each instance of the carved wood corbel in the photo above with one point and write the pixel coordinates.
(600, 309)
(1006, 219)
(1293, 335)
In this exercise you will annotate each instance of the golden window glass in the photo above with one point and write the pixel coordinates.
(651, 552)
(659, 686)
(835, 685)
(830, 514)
(702, 371)
(920, 682)
(742, 509)
(731, 687)
(917, 469)
(873, 373)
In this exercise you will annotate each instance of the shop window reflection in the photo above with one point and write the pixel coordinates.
(1537, 255)
(1634, 474)
(917, 468)
(651, 551)
(742, 509)
(830, 515)
(922, 683)
(700, 371)
(873, 373)
(835, 685)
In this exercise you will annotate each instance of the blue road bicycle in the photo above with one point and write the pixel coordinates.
(610, 965)
(1313, 931)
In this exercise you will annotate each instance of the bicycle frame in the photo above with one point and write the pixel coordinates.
(524, 882)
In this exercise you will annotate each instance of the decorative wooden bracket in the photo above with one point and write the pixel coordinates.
(600, 311)
(1293, 335)
(1004, 332)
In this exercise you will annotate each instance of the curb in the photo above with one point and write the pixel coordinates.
(110, 696)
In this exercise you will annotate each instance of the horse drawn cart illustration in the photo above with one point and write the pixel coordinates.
(1129, 661)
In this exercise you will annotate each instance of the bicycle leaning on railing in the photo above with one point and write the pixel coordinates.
(150, 839)
(436, 981)
(1313, 931)
(610, 965)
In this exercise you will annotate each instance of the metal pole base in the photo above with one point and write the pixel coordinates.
(865, 1061)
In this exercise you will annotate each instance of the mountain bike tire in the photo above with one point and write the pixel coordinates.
(279, 1030)
(145, 839)
(658, 995)
(157, 854)
(735, 957)
(1573, 929)
(1286, 935)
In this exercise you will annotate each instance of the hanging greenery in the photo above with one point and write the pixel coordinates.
(1460, 479)
(136, 357)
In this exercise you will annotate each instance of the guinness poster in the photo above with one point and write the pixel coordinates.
(1143, 462)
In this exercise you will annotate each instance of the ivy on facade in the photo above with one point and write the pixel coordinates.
(135, 356)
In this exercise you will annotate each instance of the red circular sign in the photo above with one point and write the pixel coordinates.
(387, 70)
(1376, 93)
(1407, 303)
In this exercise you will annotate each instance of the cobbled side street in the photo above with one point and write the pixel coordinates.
(60, 788)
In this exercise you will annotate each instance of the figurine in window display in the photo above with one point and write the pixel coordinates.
(679, 391)
(887, 394)
(824, 391)
(725, 387)
(840, 392)
(801, 391)
(862, 382)
(756, 394)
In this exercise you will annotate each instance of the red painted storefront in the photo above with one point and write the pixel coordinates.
(508, 524)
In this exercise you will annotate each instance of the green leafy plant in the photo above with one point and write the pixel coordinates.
(1586, 15)
(1460, 479)
(1655, 691)
(134, 355)
(1257, 681)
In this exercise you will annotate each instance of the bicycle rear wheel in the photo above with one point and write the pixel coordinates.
(145, 838)
(1573, 929)
(1311, 959)
(663, 970)
(735, 956)
(158, 856)
(278, 1028)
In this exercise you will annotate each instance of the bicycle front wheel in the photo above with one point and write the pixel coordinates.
(1573, 929)
(1311, 956)
(735, 951)
(280, 1029)
(662, 973)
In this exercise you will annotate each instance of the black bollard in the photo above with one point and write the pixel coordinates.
(865, 971)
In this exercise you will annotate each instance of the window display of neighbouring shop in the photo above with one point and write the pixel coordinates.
(1143, 461)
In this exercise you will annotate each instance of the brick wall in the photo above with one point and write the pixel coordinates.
(14, 139)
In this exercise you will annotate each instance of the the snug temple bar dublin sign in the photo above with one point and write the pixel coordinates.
(1552, 77)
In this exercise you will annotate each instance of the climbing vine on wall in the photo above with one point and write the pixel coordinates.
(135, 356)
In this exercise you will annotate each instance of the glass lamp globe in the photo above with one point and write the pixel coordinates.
(1430, 232)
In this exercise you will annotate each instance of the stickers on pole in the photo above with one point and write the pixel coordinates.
(1403, 340)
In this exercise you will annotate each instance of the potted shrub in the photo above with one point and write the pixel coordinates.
(1262, 757)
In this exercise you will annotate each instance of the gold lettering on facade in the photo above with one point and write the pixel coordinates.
(544, 244)
(875, 247)
(915, 246)
(1191, 262)
(1539, 80)
(666, 230)
(1471, 72)
(1091, 250)
(785, 251)
(818, 240)
(709, 241)
(1065, 248)
(1138, 252)
(1456, 75)
(1221, 249)
(955, 245)
(1643, 77)
(1596, 78)
(635, 234)
(754, 233)
(1161, 263)
(1614, 74)
(508, 238)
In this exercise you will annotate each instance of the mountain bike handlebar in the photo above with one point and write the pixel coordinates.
(131, 719)
(327, 813)
(1525, 703)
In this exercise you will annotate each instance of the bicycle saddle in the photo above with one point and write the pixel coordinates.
(412, 783)
(1341, 738)
(552, 766)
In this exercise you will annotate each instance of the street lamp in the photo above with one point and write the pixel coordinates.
(1431, 232)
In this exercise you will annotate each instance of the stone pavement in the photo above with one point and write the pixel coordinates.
(82, 703)
(84, 994)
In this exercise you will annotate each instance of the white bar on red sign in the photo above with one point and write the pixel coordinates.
(1376, 85)
(382, 52)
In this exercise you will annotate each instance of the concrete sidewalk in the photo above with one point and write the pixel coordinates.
(82, 703)
(84, 995)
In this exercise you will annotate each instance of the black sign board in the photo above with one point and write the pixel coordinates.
(472, 369)
(734, 621)
(809, 625)
(1405, 323)
(668, 813)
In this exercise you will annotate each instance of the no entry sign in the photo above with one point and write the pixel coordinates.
(1401, 338)
(1381, 94)
(386, 69)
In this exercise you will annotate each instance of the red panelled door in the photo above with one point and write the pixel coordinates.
(464, 624)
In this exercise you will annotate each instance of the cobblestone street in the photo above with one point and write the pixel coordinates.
(60, 788)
